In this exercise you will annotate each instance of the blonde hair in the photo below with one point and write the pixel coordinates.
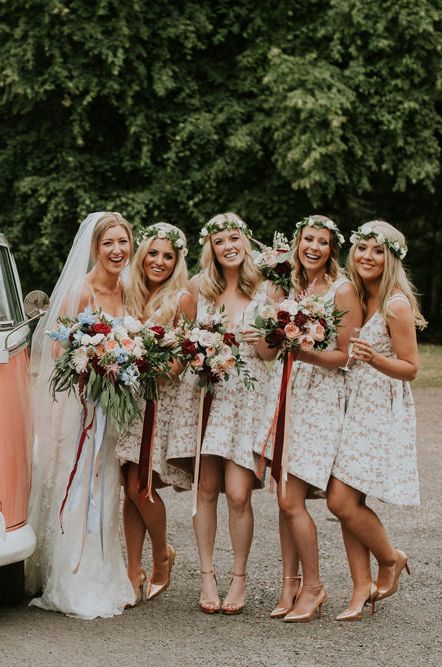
(107, 221)
(161, 306)
(394, 276)
(211, 278)
(332, 268)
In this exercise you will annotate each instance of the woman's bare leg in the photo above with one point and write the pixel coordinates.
(290, 564)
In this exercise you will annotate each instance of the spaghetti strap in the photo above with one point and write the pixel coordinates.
(398, 297)
(93, 300)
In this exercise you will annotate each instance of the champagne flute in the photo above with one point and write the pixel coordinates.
(354, 333)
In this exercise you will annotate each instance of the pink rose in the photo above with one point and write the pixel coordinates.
(198, 361)
(317, 332)
(306, 342)
(291, 331)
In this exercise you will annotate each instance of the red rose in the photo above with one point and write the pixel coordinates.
(283, 317)
(283, 268)
(142, 365)
(322, 322)
(229, 339)
(158, 331)
(101, 327)
(275, 338)
(188, 347)
(300, 319)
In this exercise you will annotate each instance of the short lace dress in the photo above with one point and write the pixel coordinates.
(316, 418)
(236, 413)
(377, 450)
(128, 446)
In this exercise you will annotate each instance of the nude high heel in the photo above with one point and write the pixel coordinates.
(401, 564)
(208, 606)
(141, 591)
(156, 589)
(357, 614)
(280, 612)
(293, 617)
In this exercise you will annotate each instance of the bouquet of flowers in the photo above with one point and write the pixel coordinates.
(306, 324)
(110, 362)
(211, 351)
(275, 262)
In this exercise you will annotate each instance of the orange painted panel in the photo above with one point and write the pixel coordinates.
(15, 439)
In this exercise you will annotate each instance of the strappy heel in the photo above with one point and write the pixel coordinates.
(357, 614)
(229, 608)
(294, 617)
(208, 606)
(280, 612)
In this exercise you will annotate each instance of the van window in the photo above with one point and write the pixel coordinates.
(10, 305)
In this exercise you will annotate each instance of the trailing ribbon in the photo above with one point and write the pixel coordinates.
(203, 417)
(282, 418)
(145, 464)
(84, 434)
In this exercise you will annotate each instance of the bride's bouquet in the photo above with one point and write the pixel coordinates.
(211, 351)
(275, 262)
(305, 324)
(110, 362)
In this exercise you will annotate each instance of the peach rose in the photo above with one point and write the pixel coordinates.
(99, 350)
(128, 344)
(198, 361)
(210, 350)
(229, 363)
(317, 332)
(291, 331)
(110, 345)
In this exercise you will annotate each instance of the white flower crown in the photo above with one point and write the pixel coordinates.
(219, 226)
(158, 232)
(367, 232)
(320, 223)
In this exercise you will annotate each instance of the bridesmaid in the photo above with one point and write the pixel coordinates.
(376, 454)
(157, 293)
(316, 417)
(228, 279)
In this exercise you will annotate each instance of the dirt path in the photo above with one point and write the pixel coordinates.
(406, 631)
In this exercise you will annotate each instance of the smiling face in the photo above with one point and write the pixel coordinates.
(113, 249)
(314, 248)
(369, 259)
(228, 248)
(159, 262)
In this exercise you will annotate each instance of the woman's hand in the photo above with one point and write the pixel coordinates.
(362, 350)
(251, 336)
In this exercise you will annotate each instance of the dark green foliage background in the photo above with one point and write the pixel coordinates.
(180, 110)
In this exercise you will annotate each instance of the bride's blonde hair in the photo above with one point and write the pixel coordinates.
(332, 268)
(211, 278)
(161, 306)
(394, 276)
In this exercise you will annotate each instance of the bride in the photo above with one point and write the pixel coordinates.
(78, 573)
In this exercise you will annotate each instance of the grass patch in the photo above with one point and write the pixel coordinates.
(430, 370)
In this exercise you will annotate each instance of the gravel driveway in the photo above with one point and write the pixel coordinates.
(405, 631)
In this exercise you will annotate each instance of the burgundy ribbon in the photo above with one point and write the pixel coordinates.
(147, 446)
(83, 436)
(280, 416)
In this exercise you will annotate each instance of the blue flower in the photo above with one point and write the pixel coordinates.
(86, 317)
(61, 334)
(129, 377)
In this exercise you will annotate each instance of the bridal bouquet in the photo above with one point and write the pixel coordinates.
(275, 262)
(305, 324)
(110, 361)
(211, 351)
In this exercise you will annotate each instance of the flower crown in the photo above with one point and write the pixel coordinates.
(220, 225)
(320, 223)
(159, 232)
(367, 232)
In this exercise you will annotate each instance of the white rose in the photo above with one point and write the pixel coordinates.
(132, 325)
(205, 338)
(366, 229)
(194, 334)
(179, 243)
(86, 339)
(138, 351)
(267, 312)
(96, 339)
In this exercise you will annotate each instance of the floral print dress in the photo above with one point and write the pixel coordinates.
(236, 413)
(377, 451)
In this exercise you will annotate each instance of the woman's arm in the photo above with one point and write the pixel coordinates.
(347, 301)
(187, 307)
(403, 337)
